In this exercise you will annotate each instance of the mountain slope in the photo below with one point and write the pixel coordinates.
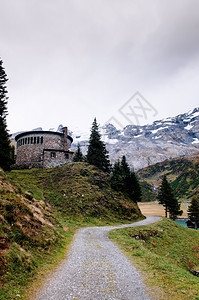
(183, 173)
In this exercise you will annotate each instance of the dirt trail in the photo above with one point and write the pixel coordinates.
(96, 269)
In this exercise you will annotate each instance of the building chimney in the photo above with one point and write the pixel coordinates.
(65, 131)
(65, 138)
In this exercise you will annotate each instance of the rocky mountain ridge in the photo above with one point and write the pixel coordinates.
(149, 144)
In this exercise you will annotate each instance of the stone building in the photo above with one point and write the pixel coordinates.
(43, 149)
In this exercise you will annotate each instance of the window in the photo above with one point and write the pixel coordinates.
(31, 140)
(28, 140)
(66, 156)
(42, 139)
(34, 139)
(38, 140)
(25, 140)
(53, 155)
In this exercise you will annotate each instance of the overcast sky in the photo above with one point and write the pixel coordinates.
(69, 61)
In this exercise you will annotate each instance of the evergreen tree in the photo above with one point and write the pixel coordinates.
(5, 148)
(167, 199)
(194, 211)
(125, 168)
(130, 182)
(134, 188)
(117, 182)
(97, 154)
(125, 180)
(78, 156)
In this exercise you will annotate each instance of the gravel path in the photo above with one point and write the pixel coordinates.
(96, 269)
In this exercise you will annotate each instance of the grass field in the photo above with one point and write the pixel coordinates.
(155, 209)
(165, 253)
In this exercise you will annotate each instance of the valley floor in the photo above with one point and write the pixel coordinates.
(155, 209)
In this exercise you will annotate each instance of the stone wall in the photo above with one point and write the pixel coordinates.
(29, 156)
(53, 158)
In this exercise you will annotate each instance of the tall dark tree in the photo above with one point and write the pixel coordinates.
(134, 188)
(131, 183)
(97, 154)
(117, 181)
(194, 211)
(167, 198)
(125, 167)
(125, 180)
(5, 148)
(78, 156)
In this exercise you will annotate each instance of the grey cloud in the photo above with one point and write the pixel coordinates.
(175, 43)
(95, 49)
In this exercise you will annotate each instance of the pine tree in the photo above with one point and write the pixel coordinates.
(130, 182)
(125, 167)
(97, 154)
(78, 156)
(117, 181)
(134, 188)
(5, 148)
(194, 211)
(167, 199)
(125, 180)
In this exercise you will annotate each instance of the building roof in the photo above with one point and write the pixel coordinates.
(20, 135)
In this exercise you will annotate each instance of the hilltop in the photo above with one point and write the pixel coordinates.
(40, 210)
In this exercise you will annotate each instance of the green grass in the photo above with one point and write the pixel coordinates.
(79, 190)
(25, 266)
(165, 252)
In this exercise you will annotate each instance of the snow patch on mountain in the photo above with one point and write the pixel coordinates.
(188, 127)
(196, 141)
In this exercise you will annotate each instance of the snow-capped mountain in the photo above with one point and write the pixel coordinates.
(148, 144)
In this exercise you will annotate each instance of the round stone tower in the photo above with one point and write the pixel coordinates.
(43, 149)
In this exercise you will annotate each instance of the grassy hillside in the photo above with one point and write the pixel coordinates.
(77, 190)
(182, 172)
(166, 253)
(29, 232)
(39, 212)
